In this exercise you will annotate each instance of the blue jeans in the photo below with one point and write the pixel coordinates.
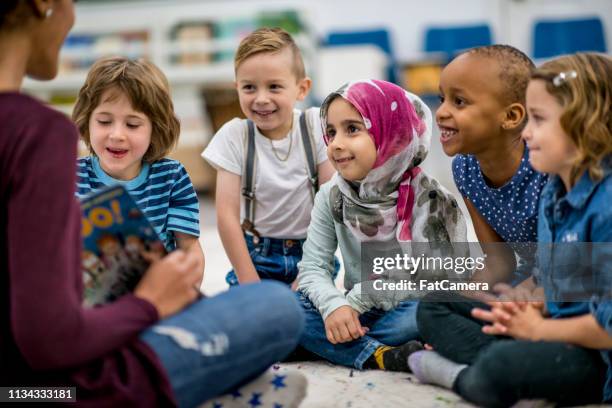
(503, 370)
(275, 259)
(217, 344)
(392, 328)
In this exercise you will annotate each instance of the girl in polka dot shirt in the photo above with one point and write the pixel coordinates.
(481, 116)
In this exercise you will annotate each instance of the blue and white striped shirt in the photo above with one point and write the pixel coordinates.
(162, 190)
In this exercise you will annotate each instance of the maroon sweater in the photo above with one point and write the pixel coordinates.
(46, 337)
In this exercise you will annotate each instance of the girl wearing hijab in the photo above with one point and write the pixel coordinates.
(377, 135)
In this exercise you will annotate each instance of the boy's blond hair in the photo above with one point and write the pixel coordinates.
(147, 89)
(270, 40)
(582, 84)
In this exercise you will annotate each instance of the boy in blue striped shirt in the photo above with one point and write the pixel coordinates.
(125, 116)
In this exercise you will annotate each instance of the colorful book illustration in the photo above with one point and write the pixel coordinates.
(115, 234)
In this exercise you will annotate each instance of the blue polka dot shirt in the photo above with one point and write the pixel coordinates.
(512, 209)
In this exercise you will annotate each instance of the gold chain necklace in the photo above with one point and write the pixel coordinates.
(276, 153)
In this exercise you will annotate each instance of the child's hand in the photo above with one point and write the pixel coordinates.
(503, 292)
(151, 256)
(190, 243)
(521, 295)
(171, 283)
(514, 319)
(343, 325)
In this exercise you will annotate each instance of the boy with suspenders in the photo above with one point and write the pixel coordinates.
(269, 166)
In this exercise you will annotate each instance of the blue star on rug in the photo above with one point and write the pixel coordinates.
(218, 405)
(278, 405)
(278, 381)
(254, 401)
(236, 394)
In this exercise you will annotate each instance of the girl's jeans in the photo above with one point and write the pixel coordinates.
(392, 328)
(503, 370)
(217, 344)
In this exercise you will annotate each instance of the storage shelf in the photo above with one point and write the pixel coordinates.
(213, 74)
(154, 39)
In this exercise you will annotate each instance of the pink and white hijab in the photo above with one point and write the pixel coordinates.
(396, 199)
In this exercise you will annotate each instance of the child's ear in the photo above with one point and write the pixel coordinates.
(304, 86)
(515, 114)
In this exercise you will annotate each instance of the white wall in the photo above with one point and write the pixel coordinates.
(511, 20)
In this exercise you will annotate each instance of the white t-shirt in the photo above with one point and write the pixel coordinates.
(282, 190)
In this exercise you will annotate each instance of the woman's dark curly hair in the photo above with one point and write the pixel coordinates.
(13, 13)
(7, 6)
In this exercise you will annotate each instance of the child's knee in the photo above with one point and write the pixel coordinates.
(487, 382)
(402, 328)
(429, 308)
(474, 385)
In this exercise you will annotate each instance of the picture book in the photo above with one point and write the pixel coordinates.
(115, 234)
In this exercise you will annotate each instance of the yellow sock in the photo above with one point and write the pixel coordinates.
(378, 356)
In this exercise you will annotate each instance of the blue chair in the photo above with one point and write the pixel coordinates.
(451, 40)
(378, 37)
(552, 38)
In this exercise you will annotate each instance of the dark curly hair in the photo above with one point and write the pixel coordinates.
(515, 69)
(7, 6)
(6, 9)
(13, 13)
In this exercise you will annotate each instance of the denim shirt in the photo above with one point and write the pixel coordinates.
(582, 215)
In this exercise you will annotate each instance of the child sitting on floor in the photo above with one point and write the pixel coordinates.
(560, 350)
(377, 134)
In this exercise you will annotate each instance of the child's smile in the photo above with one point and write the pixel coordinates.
(267, 91)
(264, 113)
(264, 118)
(343, 160)
(471, 108)
(117, 153)
(446, 133)
(120, 136)
(350, 147)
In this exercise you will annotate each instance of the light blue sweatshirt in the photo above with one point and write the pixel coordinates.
(317, 266)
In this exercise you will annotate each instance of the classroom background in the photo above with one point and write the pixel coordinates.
(406, 42)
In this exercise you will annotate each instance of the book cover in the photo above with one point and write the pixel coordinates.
(115, 234)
